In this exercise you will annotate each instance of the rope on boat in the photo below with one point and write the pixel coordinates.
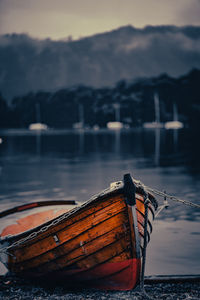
(164, 206)
(146, 202)
(146, 191)
(173, 198)
(165, 195)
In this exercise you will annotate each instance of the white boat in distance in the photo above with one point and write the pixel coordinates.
(156, 123)
(115, 125)
(38, 125)
(175, 124)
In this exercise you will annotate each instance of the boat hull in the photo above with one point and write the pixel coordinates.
(95, 245)
(121, 275)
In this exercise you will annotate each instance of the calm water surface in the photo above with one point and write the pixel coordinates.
(76, 165)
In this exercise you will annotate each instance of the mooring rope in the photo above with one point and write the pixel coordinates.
(165, 195)
(173, 198)
(142, 289)
(147, 190)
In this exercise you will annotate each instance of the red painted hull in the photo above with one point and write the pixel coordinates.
(112, 276)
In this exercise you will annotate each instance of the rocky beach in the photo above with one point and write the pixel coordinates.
(16, 289)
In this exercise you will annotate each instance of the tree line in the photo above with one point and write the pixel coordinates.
(135, 99)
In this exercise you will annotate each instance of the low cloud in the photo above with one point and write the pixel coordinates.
(29, 64)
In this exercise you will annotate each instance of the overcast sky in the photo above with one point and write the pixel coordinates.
(58, 19)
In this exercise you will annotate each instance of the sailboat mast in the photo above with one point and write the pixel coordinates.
(38, 114)
(81, 114)
(175, 112)
(117, 111)
(157, 108)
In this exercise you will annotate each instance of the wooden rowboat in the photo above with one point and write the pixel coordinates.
(97, 243)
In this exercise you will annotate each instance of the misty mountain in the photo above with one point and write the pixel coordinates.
(28, 64)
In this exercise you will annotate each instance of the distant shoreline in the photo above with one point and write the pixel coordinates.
(52, 131)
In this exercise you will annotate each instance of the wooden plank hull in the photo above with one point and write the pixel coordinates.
(95, 244)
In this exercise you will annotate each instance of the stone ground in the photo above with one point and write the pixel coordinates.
(15, 289)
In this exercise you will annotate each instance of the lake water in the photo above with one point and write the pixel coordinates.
(75, 165)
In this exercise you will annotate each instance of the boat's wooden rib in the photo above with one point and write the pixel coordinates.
(141, 217)
(141, 232)
(141, 208)
(141, 226)
(97, 242)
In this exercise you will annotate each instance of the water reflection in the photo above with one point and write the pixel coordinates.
(119, 151)
(38, 143)
(155, 147)
(75, 165)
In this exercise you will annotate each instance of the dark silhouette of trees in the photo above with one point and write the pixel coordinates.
(4, 113)
(96, 106)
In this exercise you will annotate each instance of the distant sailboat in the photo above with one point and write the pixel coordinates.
(81, 122)
(175, 124)
(38, 125)
(116, 125)
(156, 123)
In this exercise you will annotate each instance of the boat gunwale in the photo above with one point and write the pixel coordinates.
(118, 188)
(72, 212)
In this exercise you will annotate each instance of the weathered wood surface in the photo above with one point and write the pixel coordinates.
(99, 231)
(97, 239)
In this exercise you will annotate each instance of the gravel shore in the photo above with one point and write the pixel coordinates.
(16, 289)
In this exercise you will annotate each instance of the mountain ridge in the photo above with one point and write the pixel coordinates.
(29, 64)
